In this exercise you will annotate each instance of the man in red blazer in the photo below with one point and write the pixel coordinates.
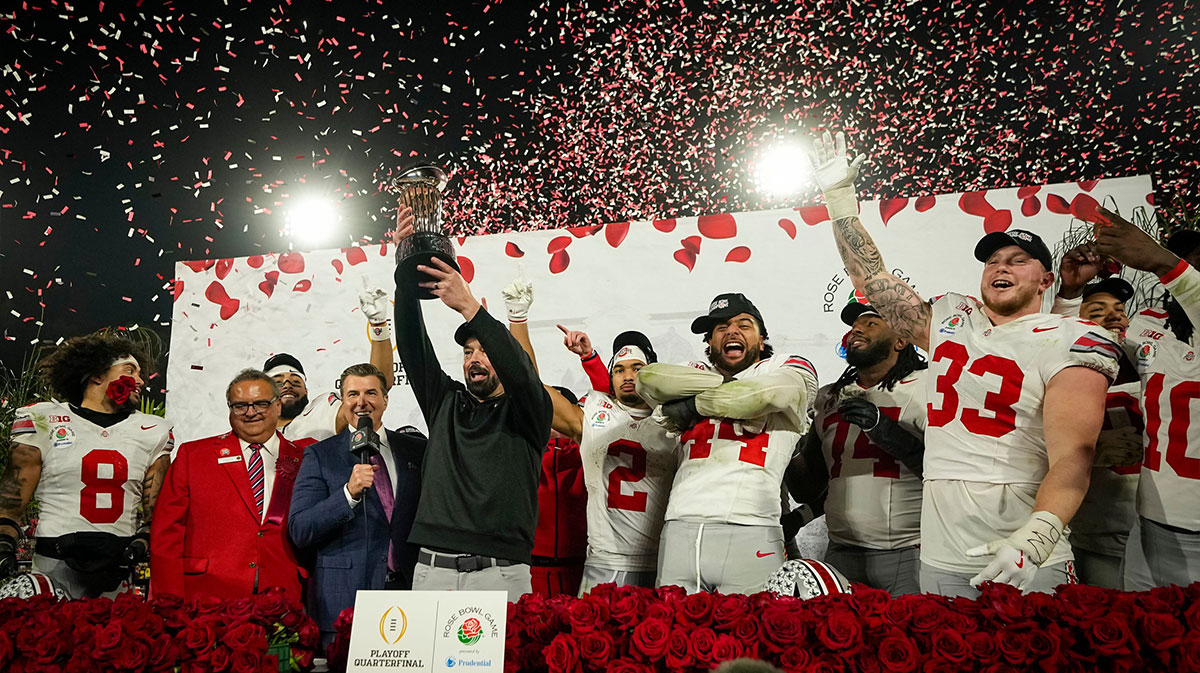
(220, 526)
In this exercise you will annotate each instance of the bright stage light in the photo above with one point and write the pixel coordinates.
(782, 169)
(312, 220)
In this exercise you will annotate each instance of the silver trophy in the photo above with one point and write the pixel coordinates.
(420, 188)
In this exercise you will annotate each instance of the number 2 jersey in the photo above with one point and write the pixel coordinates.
(1169, 488)
(874, 501)
(628, 465)
(91, 475)
(985, 447)
(732, 471)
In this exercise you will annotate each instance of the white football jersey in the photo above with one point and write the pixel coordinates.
(732, 471)
(985, 450)
(318, 420)
(1107, 512)
(874, 501)
(628, 465)
(91, 476)
(1169, 489)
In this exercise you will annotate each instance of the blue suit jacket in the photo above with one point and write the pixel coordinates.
(351, 544)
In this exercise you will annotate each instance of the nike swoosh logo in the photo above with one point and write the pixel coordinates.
(762, 555)
(1021, 561)
(1044, 329)
(147, 427)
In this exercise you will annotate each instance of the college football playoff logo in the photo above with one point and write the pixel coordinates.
(392, 625)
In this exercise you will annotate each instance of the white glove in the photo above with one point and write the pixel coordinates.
(374, 304)
(835, 175)
(1018, 556)
(518, 297)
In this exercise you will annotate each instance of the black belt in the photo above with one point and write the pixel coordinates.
(553, 561)
(1173, 529)
(463, 563)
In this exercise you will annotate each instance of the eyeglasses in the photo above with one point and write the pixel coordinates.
(242, 408)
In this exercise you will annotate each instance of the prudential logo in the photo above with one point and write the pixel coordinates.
(450, 662)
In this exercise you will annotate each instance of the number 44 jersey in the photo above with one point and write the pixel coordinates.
(91, 476)
(985, 447)
(628, 465)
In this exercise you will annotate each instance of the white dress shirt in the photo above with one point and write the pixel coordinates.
(269, 453)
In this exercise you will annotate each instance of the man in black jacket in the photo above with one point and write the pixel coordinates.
(478, 508)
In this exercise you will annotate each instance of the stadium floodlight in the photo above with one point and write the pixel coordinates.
(782, 169)
(311, 220)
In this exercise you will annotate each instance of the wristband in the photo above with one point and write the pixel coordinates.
(379, 331)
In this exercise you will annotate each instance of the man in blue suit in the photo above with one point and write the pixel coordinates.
(356, 516)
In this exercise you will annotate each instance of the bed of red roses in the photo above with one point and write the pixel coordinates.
(636, 630)
(250, 635)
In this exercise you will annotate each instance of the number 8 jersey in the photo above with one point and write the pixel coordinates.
(628, 465)
(985, 449)
(91, 475)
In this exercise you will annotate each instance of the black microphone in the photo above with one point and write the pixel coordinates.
(364, 440)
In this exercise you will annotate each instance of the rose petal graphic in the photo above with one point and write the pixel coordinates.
(1057, 204)
(512, 250)
(255, 261)
(738, 254)
(558, 244)
(223, 267)
(1026, 192)
(685, 257)
(924, 203)
(888, 208)
(466, 268)
(355, 255)
(291, 262)
(229, 308)
(584, 232)
(1031, 206)
(717, 226)
(268, 288)
(559, 261)
(200, 266)
(665, 226)
(813, 215)
(788, 226)
(302, 286)
(615, 233)
(215, 292)
(177, 288)
(337, 265)
(1088, 185)
(975, 203)
(1084, 207)
(692, 243)
(997, 221)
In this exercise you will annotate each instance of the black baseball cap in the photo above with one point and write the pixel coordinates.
(464, 332)
(1117, 287)
(854, 310)
(283, 359)
(1183, 242)
(1025, 240)
(724, 307)
(635, 338)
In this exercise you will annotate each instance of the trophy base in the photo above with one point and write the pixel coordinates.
(417, 249)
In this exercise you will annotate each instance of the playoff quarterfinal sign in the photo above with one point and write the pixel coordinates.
(655, 277)
(428, 630)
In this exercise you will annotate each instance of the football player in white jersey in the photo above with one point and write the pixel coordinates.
(94, 463)
(1016, 400)
(1101, 526)
(1164, 546)
(740, 416)
(305, 422)
(865, 447)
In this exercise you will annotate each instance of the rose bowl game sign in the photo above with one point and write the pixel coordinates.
(428, 631)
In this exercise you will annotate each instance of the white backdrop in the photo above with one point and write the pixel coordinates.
(651, 276)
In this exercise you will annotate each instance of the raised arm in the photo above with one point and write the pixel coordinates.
(577, 342)
(374, 304)
(896, 301)
(568, 418)
(1127, 243)
(518, 298)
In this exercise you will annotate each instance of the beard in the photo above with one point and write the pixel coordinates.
(290, 410)
(483, 388)
(1013, 303)
(629, 399)
(717, 358)
(870, 356)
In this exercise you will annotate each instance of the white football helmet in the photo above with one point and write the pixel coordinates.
(806, 578)
(28, 585)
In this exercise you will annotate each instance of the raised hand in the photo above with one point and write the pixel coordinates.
(449, 286)
(518, 297)
(1078, 267)
(832, 166)
(1127, 243)
(577, 342)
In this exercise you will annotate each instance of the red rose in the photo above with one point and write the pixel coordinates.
(587, 614)
(795, 659)
(899, 610)
(898, 654)
(626, 610)
(650, 639)
(246, 661)
(1161, 631)
(1189, 652)
(220, 657)
(827, 664)
(727, 647)
(841, 632)
(109, 637)
(47, 647)
(963, 624)
(133, 656)
(239, 610)
(729, 610)
(199, 636)
(679, 651)
(983, 647)
(702, 642)
(247, 637)
(660, 610)
(1013, 645)
(290, 619)
(695, 610)
(596, 648)
(119, 390)
(209, 605)
(626, 666)
(939, 665)
(869, 601)
(781, 627)
(926, 617)
(562, 654)
(6, 650)
(747, 632)
(950, 646)
(1169, 599)
(270, 606)
(1081, 603)
(671, 593)
(1109, 636)
(164, 654)
(308, 635)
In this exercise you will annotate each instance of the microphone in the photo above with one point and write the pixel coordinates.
(364, 440)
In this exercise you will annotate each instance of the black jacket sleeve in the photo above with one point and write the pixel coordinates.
(531, 404)
(425, 375)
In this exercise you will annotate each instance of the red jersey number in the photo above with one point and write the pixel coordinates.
(95, 486)
(698, 441)
(1000, 403)
(1179, 400)
(885, 467)
(634, 472)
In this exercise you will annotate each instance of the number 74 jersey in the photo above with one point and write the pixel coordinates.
(91, 476)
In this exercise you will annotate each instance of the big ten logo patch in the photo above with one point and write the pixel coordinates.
(839, 291)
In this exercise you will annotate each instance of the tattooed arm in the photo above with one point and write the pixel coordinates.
(896, 301)
(16, 490)
(151, 485)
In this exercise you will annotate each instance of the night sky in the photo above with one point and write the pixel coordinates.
(135, 135)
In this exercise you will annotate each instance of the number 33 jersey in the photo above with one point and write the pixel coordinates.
(628, 465)
(985, 447)
(91, 476)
